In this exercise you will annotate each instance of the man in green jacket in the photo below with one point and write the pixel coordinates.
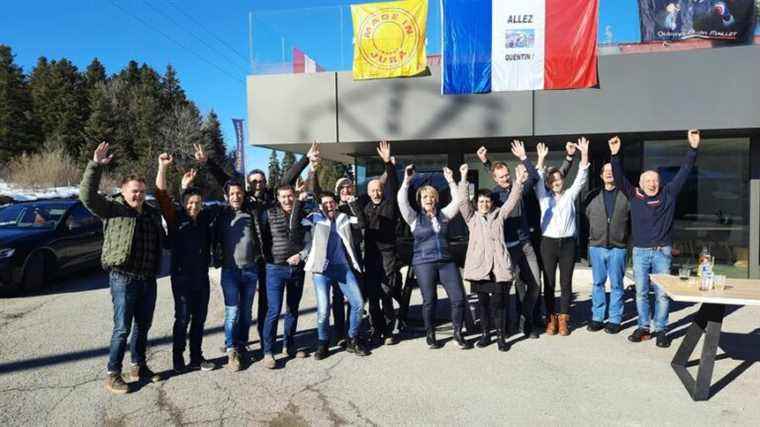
(132, 236)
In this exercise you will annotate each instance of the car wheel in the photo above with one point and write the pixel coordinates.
(34, 273)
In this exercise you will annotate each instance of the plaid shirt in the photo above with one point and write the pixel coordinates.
(146, 250)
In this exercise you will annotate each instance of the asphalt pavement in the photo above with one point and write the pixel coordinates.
(54, 347)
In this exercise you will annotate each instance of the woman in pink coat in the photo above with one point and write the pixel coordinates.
(487, 265)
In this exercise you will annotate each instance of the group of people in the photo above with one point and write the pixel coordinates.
(268, 240)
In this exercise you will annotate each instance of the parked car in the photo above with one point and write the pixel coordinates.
(42, 240)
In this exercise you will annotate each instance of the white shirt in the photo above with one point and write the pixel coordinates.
(558, 213)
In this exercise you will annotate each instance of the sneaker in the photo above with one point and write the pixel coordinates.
(595, 326)
(390, 339)
(143, 373)
(233, 360)
(356, 346)
(322, 351)
(461, 341)
(292, 351)
(202, 364)
(269, 361)
(342, 343)
(484, 340)
(115, 383)
(432, 342)
(612, 328)
(662, 339)
(640, 335)
(531, 332)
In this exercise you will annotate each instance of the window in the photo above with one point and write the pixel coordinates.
(713, 208)
(80, 217)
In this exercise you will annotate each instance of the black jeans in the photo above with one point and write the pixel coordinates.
(382, 288)
(493, 304)
(525, 258)
(191, 296)
(428, 277)
(558, 252)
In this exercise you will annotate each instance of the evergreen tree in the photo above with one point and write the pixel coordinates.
(328, 174)
(213, 141)
(172, 93)
(95, 74)
(18, 131)
(60, 103)
(274, 171)
(288, 159)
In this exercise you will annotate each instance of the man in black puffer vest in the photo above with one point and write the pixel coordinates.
(260, 199)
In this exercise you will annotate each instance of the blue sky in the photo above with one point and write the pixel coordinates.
(207, 42)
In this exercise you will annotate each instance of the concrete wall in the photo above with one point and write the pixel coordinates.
(648, 92)
(414, 109)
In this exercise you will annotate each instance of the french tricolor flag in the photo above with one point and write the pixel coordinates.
(510, 45)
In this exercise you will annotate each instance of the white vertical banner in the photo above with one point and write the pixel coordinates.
(517, 44)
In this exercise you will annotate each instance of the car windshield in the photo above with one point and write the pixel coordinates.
(37, 215)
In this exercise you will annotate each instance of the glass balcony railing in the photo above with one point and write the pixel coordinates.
(321, 38)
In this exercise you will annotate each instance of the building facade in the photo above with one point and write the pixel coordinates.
(648, 99)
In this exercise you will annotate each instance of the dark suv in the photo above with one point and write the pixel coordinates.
(45, 239)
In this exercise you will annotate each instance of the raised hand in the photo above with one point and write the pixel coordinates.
(200, 155)
(582, 145)
(694, 138)
(101, 155)
(518, 149)
(384, 151)
(521, 174)
(448, 174)
(408, 174)
(614, 144)
(188, 178)
(164, 160)
(313, 153)
(570, 149)
(483, 154)
(542, 150)
(300, 186)
(463, 171)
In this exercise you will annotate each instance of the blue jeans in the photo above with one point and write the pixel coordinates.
(133, 299)
(239, 288)
(648, 261)
(607, 263)
(282, 279)
(341, 274)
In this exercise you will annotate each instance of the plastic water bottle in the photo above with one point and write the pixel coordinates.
(705, 270)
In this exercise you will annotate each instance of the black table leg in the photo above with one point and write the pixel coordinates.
(708, 321)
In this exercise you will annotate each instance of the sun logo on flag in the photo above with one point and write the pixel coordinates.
(389, 38)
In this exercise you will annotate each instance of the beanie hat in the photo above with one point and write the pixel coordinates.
(341, 182)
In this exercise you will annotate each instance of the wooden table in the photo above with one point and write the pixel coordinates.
(708, 321)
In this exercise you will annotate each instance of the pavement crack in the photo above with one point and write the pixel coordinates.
(359, 414)
(165, 405)
(332, 415)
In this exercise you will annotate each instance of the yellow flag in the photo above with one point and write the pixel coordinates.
(389, 39)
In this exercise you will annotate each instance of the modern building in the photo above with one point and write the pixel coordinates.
(648, 99)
